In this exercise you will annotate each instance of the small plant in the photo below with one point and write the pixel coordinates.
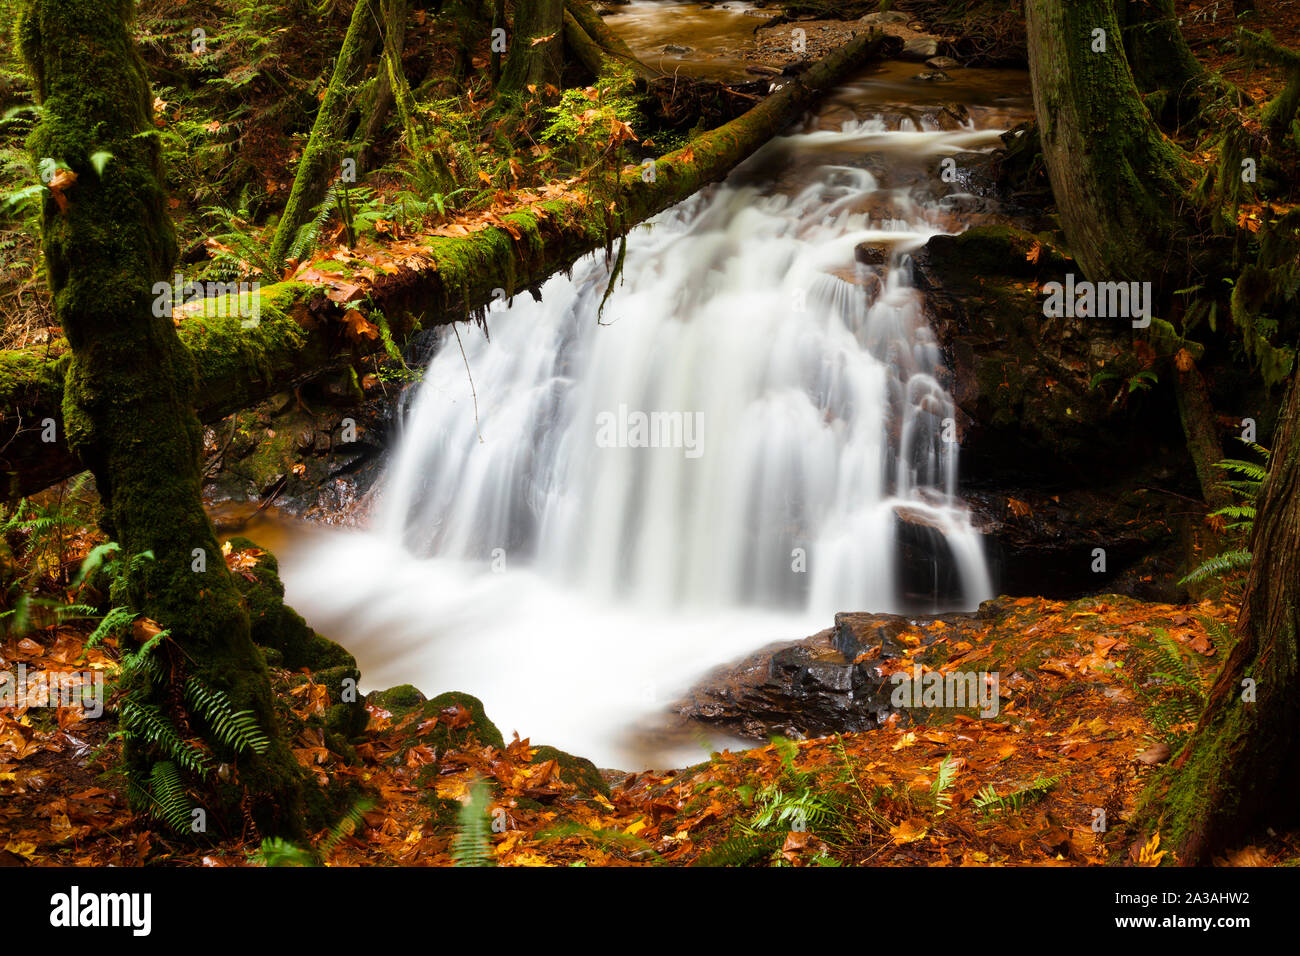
(472, 844)
(988, 801)
(1237, 519)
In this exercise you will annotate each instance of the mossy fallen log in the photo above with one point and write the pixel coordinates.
(299, 333)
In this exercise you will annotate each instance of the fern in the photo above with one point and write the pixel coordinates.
(168, 800)
(943, 782)
(740, 849)
(471, 846)
(111, 624)
(988, 801)
(1218, 566)
(237, 730)
(150, 725)
(275, 851)
(350, 822)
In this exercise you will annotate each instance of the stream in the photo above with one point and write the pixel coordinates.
(614, 501)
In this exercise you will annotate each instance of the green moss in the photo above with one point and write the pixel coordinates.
(577, 771)
(398, 700)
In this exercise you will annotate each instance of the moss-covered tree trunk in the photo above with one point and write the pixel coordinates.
(297, 337)
(128, 400)
(1118, 182)
(1158, 54)
(595, 42)
(536, 54)
(320, 158)
(1240, 771)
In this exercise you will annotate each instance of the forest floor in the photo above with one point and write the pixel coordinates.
(1095, 694)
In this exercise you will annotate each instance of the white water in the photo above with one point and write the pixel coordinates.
(578, 589)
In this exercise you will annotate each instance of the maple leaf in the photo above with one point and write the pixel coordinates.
(1034, 252)
(537, 41)
(60, 181)
(1019, 508)
(358, 326)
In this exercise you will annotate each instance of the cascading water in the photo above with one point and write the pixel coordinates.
(530, 548)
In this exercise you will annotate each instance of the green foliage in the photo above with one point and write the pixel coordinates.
(1240, 517)
(942, 783)
(148, 724)
(1169, 680)
(237, 730)
(164, 797)
(275, 851)
(740, 849)
(240, 250)
(589, 126)
(472, 845)
(988, 801)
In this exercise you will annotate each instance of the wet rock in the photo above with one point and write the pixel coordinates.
(871, 253)
(928, 572)
(937, 76)
(942, 63)
(893, 16)
(829, 683)
(919, 48)
(1157, 754)
(674, 49)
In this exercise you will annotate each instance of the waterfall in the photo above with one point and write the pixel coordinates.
(740, 442)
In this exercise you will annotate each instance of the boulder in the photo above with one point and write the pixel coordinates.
(920, 48)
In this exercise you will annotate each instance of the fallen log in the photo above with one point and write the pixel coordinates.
(300, 333)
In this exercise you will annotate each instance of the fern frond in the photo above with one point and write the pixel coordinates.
(740, 849)
(1218, 565)
(149, 723)
(471, 846)
(169, 801)
(237, 730)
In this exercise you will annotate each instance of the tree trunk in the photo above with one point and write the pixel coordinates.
(1157, 52)
(1117, 180)
(1200, 430)
(128, 400)
(325, 144)
(1240, 772)
(297, 335)
(582, 21)
(536, 48)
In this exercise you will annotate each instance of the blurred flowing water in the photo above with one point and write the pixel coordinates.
(578, 588)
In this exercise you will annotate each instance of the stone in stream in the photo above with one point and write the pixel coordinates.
(893, 16)
(828, 683)
(674, 49)
(920, 48)
(938, 76)
(942, 63)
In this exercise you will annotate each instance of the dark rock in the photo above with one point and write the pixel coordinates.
(871, 253)
(828, 683)
(937, 76)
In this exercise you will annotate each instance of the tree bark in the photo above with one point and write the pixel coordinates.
(297, 335)
(1157, 52)
(325, 144)
(583, 26)
(1240, 771)
(1118, 182)
(536, 48)
(129, 391)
